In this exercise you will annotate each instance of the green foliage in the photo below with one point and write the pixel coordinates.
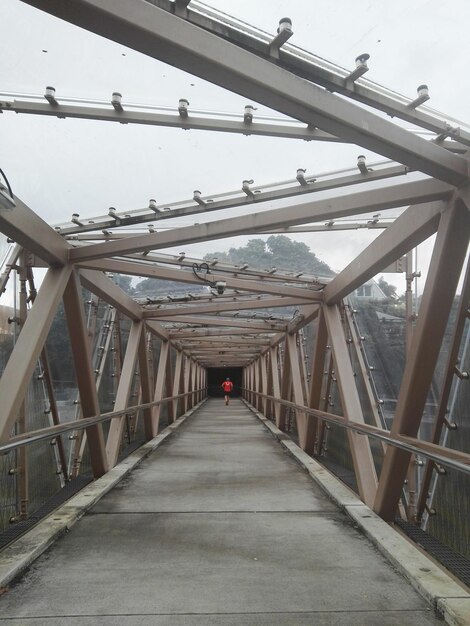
(389, 290)
(124, 282)
(277, 251)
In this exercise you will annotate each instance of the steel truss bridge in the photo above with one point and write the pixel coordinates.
(172, 342)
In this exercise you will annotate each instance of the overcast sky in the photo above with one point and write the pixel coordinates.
(59, 167)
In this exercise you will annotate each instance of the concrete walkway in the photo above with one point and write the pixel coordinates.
(219, 527)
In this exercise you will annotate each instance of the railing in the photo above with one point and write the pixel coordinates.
(444, 456)
(53, 431)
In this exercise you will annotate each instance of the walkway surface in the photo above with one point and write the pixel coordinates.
(219, 527)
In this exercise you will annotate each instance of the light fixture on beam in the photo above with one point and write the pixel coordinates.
(153, 205)
(183, 107)
(284, 32)
(248, 113)
(361, 164)
(112, 212)
(75, 219)
(374, 220)
(246, 188)
(300, 176)
(450, 131)
(50, 96)
(116, 101)
(423, 96)
(197, 197)
(361, 67)
(151, 228)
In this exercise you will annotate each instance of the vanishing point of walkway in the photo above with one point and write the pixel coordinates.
(220, 526)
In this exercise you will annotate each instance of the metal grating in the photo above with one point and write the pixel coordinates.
(456, 563)
(17, 530)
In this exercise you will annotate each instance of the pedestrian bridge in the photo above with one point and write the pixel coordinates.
(221, 524)
(334, 488)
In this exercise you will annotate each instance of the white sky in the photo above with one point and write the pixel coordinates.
(59, 167)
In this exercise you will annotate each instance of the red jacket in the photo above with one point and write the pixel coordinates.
(227, 386)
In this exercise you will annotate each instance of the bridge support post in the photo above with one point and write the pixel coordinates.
(85, 377)
(160, 383)
(116, 427)
(361, 453)
(264, 382)
(145, 385)
(275, 384)
(448, 256)
(317, 375)
(304, 422)
(177, 383)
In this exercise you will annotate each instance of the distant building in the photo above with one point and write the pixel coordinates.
(370, 291)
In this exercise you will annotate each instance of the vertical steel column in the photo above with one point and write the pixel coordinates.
(449, 377)
(360, 447)
(204, 381)
(409, 316)
(264, 382)
(256, 385)
(317, 374)
(84, 372)
(303, 365)
(250, 384)
(20, 366)
(193, 396)
(146, 382)
(22, 453)
(160, 381)
(322, 426)
(448, 256)
(276, 385)
(186, 379)
(305, 424)
(177, 383)
(286, 381)
(116, 427)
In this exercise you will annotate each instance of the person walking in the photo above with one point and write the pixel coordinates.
(227, 386)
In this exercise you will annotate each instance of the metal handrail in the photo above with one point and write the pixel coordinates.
(53, 431)
(443, 456)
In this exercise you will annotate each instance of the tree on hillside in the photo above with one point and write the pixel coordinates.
(277, 251)
(389, 290)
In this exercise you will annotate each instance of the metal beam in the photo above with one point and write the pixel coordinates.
(412, 227)
(99, 284)
(214, 333)
(116, 426)
(85, 376)
(261, 285)
(330, 76)
(20, 366)
(246, 305)
(226, 200)
(160, 383)
(159, 34)
(264, 325)
(390, 197)
(28, 230)
(442, 412)
(284, 130)
(441, 283)
(361, 453)
(146, 358)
